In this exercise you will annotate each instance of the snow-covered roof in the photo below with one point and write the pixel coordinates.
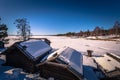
(35, 48)
(108, 63)
(70, 57)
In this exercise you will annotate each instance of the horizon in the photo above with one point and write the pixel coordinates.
(50, 17)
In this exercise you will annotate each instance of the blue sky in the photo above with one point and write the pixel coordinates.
(60, 16)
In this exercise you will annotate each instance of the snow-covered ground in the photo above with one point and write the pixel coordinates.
(80, 44)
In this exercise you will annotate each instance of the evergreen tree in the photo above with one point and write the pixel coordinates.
(3, 31)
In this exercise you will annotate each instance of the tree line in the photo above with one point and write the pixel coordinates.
(22, 24)
(98, 31)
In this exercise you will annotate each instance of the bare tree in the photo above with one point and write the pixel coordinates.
(88, 33)
(97, 31)
(23, 28)
(116, 28)
(81, 33)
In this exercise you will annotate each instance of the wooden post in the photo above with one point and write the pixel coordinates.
(89, 53)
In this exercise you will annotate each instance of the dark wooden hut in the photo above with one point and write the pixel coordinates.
(26, 54)
(64, 64)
